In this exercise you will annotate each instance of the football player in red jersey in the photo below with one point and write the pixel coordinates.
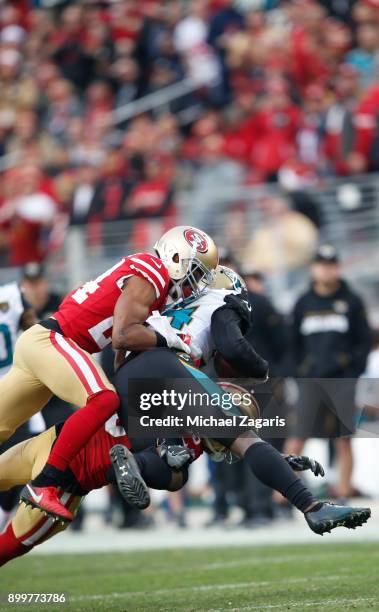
(90, 469)
(54, 356)
(163, 467)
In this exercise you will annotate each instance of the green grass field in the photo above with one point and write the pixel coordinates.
(303, 577)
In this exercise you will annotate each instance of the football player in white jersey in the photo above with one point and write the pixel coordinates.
(215, 321)
(16, 315)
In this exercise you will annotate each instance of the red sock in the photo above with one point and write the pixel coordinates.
(10, 546)
(81, 426)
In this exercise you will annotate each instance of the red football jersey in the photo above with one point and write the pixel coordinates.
(91, 464)
(86, 314)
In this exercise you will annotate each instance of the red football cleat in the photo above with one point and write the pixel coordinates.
(47, 500)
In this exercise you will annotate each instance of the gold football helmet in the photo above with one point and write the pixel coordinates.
(226, 278)
(190, 257)
(249, 406)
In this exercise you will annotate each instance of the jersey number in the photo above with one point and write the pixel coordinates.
(97, 332)
(89, 288)
(6, 350)
(180, 317)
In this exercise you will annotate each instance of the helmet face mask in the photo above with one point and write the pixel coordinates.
(196, 279)
(190, 257)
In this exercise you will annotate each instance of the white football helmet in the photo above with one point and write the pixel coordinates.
(190, 257)
(226, 278)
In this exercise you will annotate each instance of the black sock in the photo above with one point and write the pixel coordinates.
(270, 467)
(50, 477)
(154, 470)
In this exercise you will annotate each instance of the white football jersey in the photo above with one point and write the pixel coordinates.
(11, 309)
(193, 318)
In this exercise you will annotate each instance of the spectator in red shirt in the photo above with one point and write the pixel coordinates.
(365, 155)
(152, 198)
(275, 130)
(111, 190)
(28, 217)
(306, 20)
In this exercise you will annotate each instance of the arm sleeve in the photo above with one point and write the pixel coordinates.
(230, 342)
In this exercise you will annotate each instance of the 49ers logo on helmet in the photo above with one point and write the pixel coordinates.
(195, 239)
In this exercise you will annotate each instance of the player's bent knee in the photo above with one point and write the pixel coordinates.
(6, 432)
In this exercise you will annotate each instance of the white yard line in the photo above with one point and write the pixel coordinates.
(300, 604)
(208, 587)
(276, 559)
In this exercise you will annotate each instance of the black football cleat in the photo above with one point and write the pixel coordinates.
(328, 516)
(129, 480)
(47, 500)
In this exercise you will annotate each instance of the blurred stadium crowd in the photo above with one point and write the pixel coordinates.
(282, 91)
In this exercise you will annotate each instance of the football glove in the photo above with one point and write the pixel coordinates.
(300, 463)
(162, 326)
(176, 456)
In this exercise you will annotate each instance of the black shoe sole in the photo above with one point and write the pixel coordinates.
(25, 499)
(129, 480)
(357, 518)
